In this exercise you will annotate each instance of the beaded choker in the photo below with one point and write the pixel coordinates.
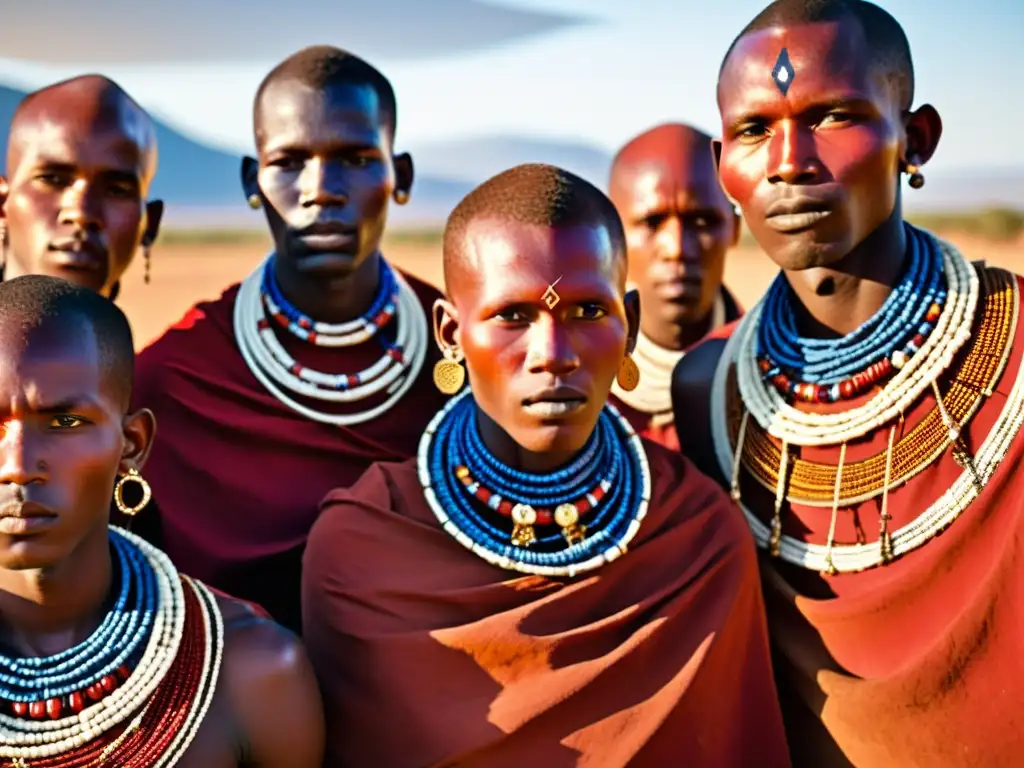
(563, 523)
(173, 630)
(759, 438)
(827, 370)
(260, 306)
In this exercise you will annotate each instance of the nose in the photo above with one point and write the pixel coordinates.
(677, 242)
(322, 185)
(551, 350)
(80, 208)
(792, 155)
(20, 457)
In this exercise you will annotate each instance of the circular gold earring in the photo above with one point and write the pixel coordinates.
(255, 202)
(133, 476)
(401, 196)
(628, 376)
(449, 375)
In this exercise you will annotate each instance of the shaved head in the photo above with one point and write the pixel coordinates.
(37, 304)
(321, 67)
(81, 157)
(533, 194)
(886, 41)
(93, 103)
(661, 145)
(679, 226)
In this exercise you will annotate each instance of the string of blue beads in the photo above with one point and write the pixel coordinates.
(610, 521)
(300, 324)
(120, 636)
(892, 329)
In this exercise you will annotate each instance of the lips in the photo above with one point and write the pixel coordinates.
(555, 402)
(79, 254)
(796, 213)
(21, 518)
(329, 237)
(679, 289)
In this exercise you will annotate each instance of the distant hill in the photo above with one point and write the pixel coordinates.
(201, 187)
(476, 159)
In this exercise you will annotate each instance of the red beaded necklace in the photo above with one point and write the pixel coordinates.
(874, 374)
(566, 516)
(75, 701)
(165, 712)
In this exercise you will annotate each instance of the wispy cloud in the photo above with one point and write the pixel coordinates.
(261, 31)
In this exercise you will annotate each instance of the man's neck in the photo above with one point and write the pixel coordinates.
(836, 300)
(43, 612)
(677, 337)
(335, 300)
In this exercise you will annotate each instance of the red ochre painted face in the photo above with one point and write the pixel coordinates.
(541, 316)
(816, 169)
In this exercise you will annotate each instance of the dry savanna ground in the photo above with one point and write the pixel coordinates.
(188, 269)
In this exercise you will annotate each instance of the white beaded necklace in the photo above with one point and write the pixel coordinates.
(851, 558)
(23, 739)
(279, 374)
(653, 393)
(781, 420)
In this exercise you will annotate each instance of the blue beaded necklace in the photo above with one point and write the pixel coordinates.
(827, 370)
(288, 316)
(117, 642)
(613, 459)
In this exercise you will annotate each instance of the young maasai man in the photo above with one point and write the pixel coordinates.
(540, 586)
(679, 226)
(108, 655)
(870, 402)
(317, 365)
(80, 158)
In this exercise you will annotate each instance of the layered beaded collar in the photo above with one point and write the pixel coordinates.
(776, 426)
(260, 306)
(135, 692)
(559, 524)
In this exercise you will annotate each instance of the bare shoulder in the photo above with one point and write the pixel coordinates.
(271, 690)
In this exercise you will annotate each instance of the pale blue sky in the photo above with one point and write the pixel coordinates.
(645, 61)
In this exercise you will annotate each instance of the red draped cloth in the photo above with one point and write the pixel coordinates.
(917, 663)
(237, 476)
(429, 656)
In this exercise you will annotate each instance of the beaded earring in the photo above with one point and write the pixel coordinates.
(133, 476)
(146, 262)
(449, 375)
(3, 246)
(254, 201)
(628, 376)
(916, 179)
(401, 196)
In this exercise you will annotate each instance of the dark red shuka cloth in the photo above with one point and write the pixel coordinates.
(429, 656)
(237, 476)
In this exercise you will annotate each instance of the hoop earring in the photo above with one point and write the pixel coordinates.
(449, 375)
(916, 179)
(628, 376)
(147, 493)
(255, 202)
